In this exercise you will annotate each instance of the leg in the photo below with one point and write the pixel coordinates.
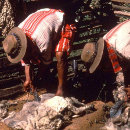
(62, 71)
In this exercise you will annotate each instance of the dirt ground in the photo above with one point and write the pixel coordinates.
(88, 95)
(91, 121)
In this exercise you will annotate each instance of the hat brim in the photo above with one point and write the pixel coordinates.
(19, 32)
(98, 57)
(88, 52)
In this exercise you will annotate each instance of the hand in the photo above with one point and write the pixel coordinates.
(27, 86)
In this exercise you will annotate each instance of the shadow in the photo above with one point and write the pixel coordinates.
(103, 11)
(47, 80)
(97, 86)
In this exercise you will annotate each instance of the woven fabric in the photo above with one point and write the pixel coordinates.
(113, 58)
(119, 38)
(43, 26)
(67, 37)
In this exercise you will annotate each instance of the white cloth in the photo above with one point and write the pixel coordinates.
(119, 38)
(43, 28)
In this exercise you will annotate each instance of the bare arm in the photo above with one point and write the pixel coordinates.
(28, 82)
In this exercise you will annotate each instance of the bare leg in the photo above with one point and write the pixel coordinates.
(62, 71)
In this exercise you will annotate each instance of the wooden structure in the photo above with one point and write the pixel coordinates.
(93, 19)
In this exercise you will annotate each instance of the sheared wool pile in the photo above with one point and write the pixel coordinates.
(48, 114)
(121, 122)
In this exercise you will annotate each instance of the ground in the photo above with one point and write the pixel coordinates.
(87, 95)
(91, 121)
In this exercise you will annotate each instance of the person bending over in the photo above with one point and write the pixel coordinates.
(35, 41)
(112, 52)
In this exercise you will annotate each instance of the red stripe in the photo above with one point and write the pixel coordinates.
(30, 20)
(113, 58)
(28, 23)
(51, 11)
(61, 44)
(32, 23)
(35, 22)
(67, 45)
(66, 39)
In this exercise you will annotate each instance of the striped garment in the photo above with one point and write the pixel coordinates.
(113, 58)
(67, 37)
(118, 40)
(44, 27)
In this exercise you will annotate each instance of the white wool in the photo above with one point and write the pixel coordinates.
(45, 115)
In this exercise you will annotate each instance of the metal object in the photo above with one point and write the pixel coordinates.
(76, 79)
(75, 66)
(36, 96)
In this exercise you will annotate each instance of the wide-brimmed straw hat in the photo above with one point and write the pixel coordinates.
(92, 54)
(15, 45)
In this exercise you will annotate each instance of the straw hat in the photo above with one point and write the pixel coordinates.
(15, 45)
(92, 54)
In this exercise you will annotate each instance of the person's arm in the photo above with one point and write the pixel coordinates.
(28, 81)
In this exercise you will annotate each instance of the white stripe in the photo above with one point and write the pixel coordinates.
(33, 24)
(29, 20)
(64, 44)
(57, 47)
